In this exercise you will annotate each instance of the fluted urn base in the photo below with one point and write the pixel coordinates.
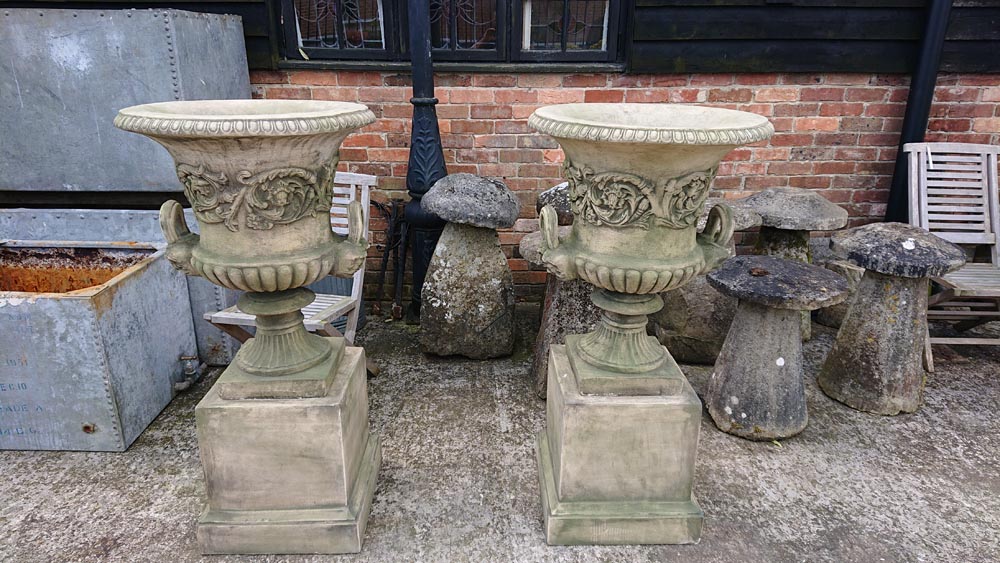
(618, 357)
(283, 360)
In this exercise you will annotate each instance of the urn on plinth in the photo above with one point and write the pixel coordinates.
(289, 461)
(617, 456)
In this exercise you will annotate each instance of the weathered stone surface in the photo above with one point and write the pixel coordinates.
(694, 321)
(531, 245)
(897, 249)
(790, 245)
(796, 209)
(744, 217)
(259, 502)
(558, 197)
(833, 315)
(567, 310)
(472, 200)
(468, 296)
(778, 283)
(617, 469)
(757, 390)
(875, 364)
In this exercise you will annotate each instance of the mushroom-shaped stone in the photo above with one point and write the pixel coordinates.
(468, 199)
(788, 215)
(757, 391)
(568, 309)
(468, 293)
(695, 318)
(875, 363)
(558, 197)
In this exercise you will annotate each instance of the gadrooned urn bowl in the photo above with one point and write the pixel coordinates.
(259, 176)
(639, 175)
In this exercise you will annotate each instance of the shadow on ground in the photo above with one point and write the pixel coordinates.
(459, 482)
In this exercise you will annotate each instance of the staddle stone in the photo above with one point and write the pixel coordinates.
(897, 249)
(468, 293)
(757, 390)
(472, 200)
(778, 283)
(875, 364)
(795, 209)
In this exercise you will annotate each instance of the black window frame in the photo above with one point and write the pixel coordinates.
(509, 41)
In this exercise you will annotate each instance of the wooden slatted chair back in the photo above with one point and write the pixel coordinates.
(954, 192)
(348, 187)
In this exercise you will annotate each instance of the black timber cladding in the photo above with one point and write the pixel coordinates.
(709, 35)
(259, 27)
(680, 36)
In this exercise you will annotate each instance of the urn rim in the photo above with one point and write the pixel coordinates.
(651, 124)
(243, 118)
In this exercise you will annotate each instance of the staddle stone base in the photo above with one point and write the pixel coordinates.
(617, 469)
(289, 475)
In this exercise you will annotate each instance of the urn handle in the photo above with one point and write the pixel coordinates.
(548, 221)
(557, 259)
(351, 253)
(714, 238)
(180, 240)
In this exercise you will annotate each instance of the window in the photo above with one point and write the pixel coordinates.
(461, 30)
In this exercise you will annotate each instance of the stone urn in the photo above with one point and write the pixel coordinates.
(259, 176)
(617, 455)
(638, 176)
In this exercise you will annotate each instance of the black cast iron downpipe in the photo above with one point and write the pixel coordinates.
(426, 164)
(918, 104)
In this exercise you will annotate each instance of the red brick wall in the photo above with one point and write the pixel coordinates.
(835, 133)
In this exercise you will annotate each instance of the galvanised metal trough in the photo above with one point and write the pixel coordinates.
(93, 337)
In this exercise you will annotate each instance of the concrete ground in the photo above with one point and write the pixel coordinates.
(459, 482)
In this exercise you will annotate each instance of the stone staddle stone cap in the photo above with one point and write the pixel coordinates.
(779, 283)
(795, 209)
(897, 249)
(558, 197)
(744, 217)
(531, 245)
(472, 200)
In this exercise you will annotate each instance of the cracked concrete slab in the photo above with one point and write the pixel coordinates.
(459, 482)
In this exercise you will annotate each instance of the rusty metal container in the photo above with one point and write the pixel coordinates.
(92, 337)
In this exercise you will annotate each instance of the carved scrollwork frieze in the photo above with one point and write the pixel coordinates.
(622, 199)
(258, 200)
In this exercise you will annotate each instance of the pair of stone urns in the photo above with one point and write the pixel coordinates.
(289, 461)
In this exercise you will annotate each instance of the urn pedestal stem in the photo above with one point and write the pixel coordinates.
(618, 357)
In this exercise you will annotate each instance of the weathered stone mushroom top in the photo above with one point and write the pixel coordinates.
(531, 245)
(558, 197)
(779, 283)
(744, 217)
(898, 249)
(795, 209)
(472, 200)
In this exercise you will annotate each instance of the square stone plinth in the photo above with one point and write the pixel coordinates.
(289, 475)
(617, 469)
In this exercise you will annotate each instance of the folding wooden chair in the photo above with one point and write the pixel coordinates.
(953, 194)
(321, 313)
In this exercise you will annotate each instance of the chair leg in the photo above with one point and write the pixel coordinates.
(352, 324)
(928, 352)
